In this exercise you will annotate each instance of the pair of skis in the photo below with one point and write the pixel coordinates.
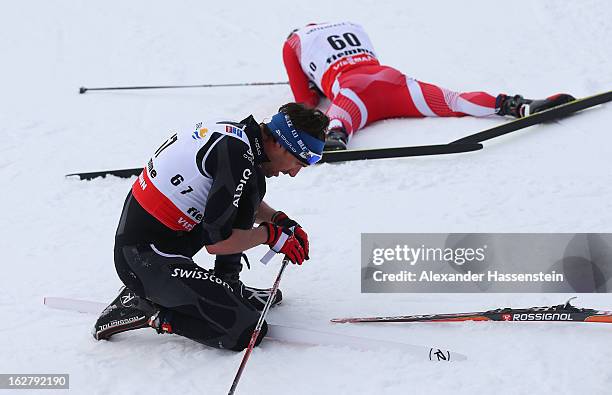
(472, 142)
(560, 313)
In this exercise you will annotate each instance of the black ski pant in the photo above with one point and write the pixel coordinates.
(195, 302)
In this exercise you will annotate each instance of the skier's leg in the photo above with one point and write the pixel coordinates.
(434, 101)
(371, 93)
(362, 96)
(192, 301)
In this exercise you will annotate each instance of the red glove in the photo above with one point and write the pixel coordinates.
(281, 219)
(282, 241)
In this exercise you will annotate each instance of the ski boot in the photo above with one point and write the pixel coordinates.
(228, 267)
(160, 321)
(517, 106)
(258, 297)
(127, 312)
(336, 140)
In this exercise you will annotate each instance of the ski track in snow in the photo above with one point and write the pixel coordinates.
(57, 233)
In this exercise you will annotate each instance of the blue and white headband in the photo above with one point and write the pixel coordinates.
(303, 146)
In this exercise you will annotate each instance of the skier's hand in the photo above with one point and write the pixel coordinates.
(281, 219)
(281, 240)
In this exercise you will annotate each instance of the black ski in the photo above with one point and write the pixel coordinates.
(329, 157)
(540, 117)
(559, 313)
(397, 152)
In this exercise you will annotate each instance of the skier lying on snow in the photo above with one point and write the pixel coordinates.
(204, 187)
(338, 60)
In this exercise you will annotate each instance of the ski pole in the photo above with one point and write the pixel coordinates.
(257, 330)
(116, 88)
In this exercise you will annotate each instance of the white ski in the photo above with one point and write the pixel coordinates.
(294, 335)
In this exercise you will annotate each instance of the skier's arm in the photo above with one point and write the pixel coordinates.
(239, 241)
(264, 213)
(231, 170)
(268, 214)
(297, 79)
(267, 233)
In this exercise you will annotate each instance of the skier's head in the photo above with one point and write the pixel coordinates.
(298, 28)
(294, 138)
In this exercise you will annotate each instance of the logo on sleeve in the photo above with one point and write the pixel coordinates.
(233, 130)
(249, 156)
(257, 146)
(199, 134)
(245, 177)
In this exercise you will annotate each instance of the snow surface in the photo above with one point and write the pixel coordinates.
(57, 233)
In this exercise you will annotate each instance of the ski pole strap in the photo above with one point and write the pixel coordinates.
(272, 251)
(269, 255)
(279, 243)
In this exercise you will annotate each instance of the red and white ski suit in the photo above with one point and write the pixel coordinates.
(340, 60)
